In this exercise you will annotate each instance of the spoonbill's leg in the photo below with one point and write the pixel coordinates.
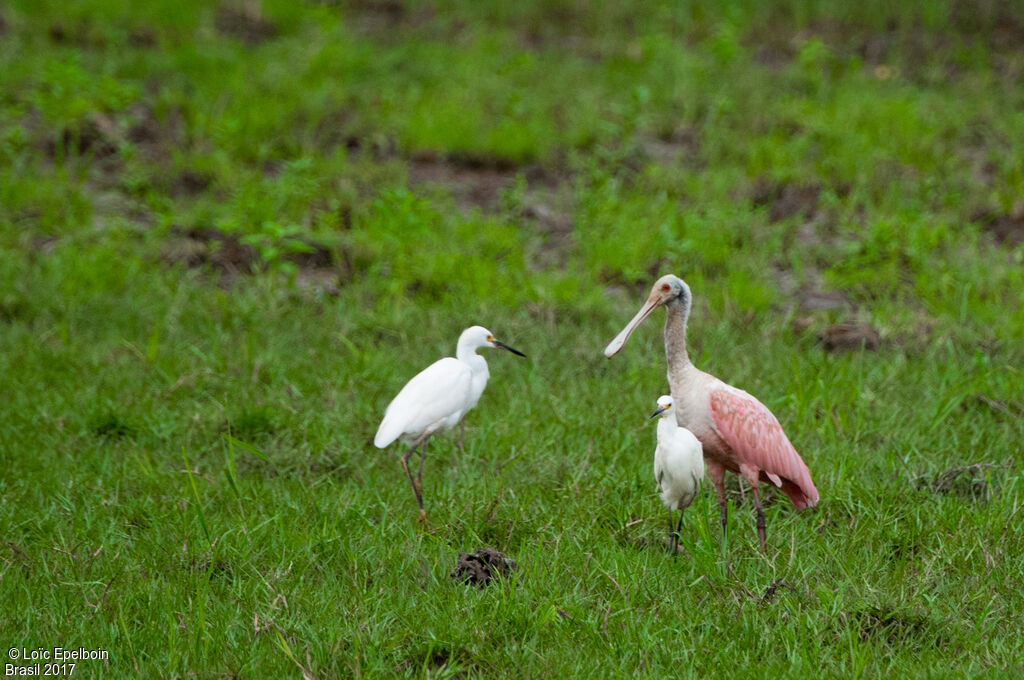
(462, 433)
(751, 474)
(412, 482)
(716, 471)
(761, 529)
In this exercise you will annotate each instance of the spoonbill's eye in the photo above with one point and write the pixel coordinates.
(665, 287)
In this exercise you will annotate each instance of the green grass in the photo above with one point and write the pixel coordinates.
(227, 239)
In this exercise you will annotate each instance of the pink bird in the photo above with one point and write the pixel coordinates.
(737, 431)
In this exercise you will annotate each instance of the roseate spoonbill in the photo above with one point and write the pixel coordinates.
(737, 431)
(678, 465)
(436, 399)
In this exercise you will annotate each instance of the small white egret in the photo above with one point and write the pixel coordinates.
(436, 399)
(678, 465)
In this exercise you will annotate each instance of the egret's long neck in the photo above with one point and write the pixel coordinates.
(466, 350)
(667, 426)
(677, 312)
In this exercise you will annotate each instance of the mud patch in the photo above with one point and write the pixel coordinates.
(818, 300)
(245, 24)
(152, 132)
(1007, 230)
(190, 183)
(547, 211)
(678, 147)
(142, 37)
(96, 135)
(227, 253)
(850, 336)
(386, 17)
(786, 200)
(80, 35)
(969, 482)
(474, 181)
(208, 247)
(482, 567)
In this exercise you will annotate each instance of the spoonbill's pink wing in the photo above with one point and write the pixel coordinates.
(756, 439)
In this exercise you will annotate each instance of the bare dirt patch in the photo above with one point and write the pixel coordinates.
(482, 567)
(786, 200)
(677, 147)
(386, 18)
(472, 180)
(227, 253)
(190, 183)
(96, 135)
(152, 132)
(246, 24)
(1007, 229)
(849, 336)
(202, 246)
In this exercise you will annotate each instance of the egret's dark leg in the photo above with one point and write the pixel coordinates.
(675, 537)
(419, 476)
(761, 530)
(462, 433)
(408, 473)
(671, 536)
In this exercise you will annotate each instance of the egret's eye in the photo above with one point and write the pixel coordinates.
(490, 338)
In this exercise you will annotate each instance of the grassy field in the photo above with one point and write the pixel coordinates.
(230, 232)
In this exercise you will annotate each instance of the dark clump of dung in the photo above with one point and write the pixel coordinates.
(483, 566)
(845, 336)
(965, 481)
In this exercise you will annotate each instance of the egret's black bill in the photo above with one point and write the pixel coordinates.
(661, 409)
(510, 349)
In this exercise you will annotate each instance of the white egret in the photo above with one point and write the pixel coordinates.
(678, 465)
(436, 399)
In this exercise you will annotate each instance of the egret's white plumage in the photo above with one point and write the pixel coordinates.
(437, 398)
(678, 464)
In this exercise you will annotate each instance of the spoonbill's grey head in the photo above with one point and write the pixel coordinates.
(666, 289)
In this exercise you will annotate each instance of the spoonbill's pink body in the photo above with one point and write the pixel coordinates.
(738, 433)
